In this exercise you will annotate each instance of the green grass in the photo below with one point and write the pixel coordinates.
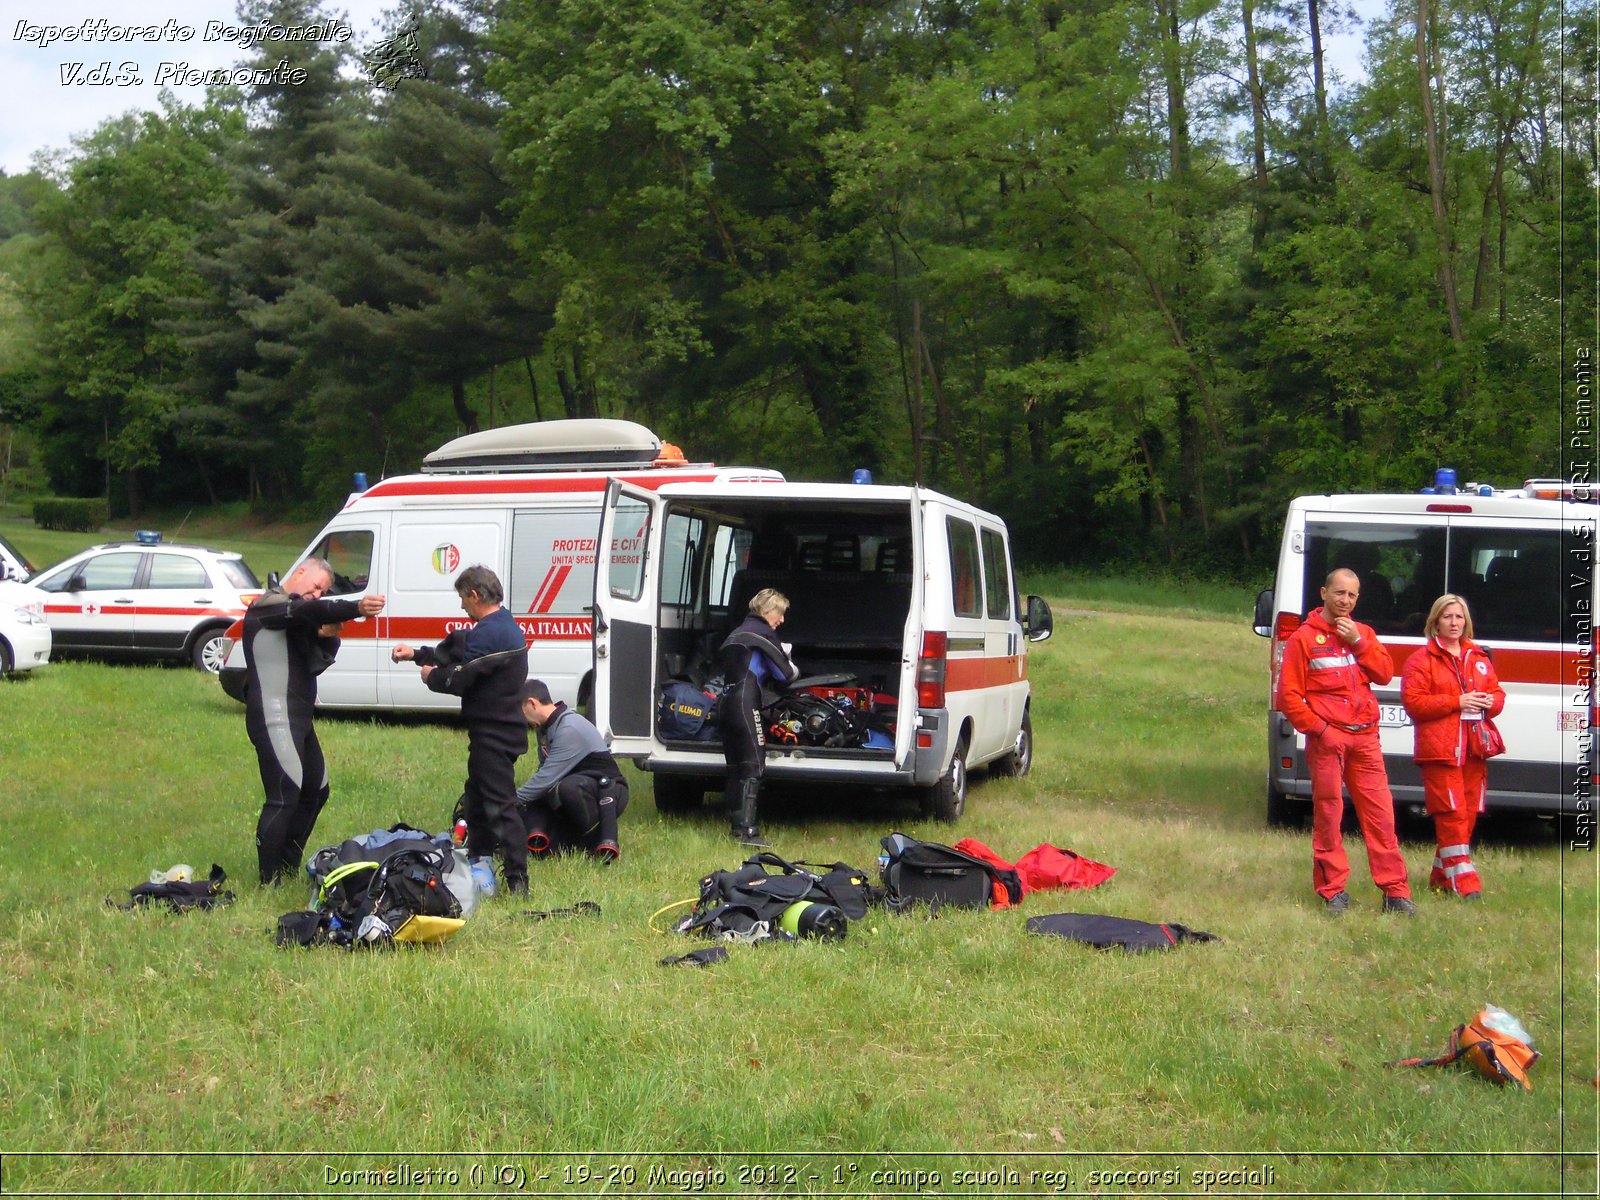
(1157, 592)
(916, 1044)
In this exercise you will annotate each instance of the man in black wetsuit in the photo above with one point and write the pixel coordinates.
(750, 658)
(578, 792)
(291, 635)
(486, 665)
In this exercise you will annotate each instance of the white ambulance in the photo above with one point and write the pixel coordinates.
(1522, 558)
(899, 596)
(523, 500)
(900, 599)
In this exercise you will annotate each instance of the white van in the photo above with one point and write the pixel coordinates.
(524, 501)
(1523, 559)
(899, 598)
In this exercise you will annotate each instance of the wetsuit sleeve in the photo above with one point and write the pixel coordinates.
(451, 650)
(308, 612)
(327, 651)
(459, 678)
(1373, 657)
(1291, 698)
(1418, 694)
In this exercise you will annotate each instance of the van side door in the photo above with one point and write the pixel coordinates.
(627, 581)
(1006, 651)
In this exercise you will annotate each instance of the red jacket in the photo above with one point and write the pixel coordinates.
(1324, 680)
(1431, 688)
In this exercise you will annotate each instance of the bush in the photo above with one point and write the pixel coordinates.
(70, 514)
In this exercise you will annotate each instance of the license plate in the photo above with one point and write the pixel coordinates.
(1393, 716)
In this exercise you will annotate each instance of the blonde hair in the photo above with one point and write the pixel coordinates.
(767, 600)
(1443, 602)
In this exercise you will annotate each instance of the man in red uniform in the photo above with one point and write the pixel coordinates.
(1325, 689)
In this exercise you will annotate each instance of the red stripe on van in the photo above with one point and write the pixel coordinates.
(434, 629)
(540, 591)
(545, 600)
(1515, 665)
(457, 485)
(969, 674)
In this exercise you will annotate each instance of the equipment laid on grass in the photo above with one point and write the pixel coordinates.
(1495, 1045)
(1103, 932)
(929, 873)
(178, 894)
(393, 885)
(799, 900)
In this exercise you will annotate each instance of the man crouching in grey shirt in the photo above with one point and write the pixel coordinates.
(578, 792)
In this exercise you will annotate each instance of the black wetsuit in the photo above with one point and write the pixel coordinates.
(486, 665)
(578, 792)
(739, 713)
(284, 654)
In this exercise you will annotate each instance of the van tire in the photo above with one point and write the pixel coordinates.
(677, 794)
(946, 799)
(6, 661)
(1018, 761)
(1284, 813)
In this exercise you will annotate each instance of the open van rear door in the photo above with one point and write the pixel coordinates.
(626, 580)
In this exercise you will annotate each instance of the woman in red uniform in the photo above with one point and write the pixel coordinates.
(1452, 693)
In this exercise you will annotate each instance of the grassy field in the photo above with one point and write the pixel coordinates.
(191, 1055)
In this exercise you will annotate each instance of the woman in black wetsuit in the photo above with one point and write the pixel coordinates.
(750, 657)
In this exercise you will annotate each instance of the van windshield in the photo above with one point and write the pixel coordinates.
(1509, 576)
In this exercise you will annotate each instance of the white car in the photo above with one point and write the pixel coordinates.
(24, 633)
(151, 600)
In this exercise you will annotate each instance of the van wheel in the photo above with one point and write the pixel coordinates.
(678, 793)
(5, 659)
(1284, 813)
(947, 798)
(1019, 761)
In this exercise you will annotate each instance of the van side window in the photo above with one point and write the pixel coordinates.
(683, 545)
(1401, 568)
(963, 567)
(349, 553)
(996, 576)
(1511, 579)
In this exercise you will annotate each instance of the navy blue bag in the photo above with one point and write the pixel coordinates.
(686, 712)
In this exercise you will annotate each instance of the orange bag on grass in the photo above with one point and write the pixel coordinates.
(1494, 1043)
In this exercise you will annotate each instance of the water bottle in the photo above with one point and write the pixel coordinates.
(458, 835)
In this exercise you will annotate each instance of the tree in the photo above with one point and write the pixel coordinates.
(112, 264)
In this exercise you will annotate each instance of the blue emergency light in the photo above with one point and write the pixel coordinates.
(862, 475)
(147, 537)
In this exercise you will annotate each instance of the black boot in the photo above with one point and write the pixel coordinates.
(742, 814)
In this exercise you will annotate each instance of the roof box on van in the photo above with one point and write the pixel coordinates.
(548, 446)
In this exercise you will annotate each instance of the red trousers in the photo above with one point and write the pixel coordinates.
(1339, 759)
(1454, 796)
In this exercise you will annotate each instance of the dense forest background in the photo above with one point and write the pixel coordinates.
(1125, 271)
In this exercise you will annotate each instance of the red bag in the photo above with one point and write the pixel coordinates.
(1045, 867)
(1485, 738)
